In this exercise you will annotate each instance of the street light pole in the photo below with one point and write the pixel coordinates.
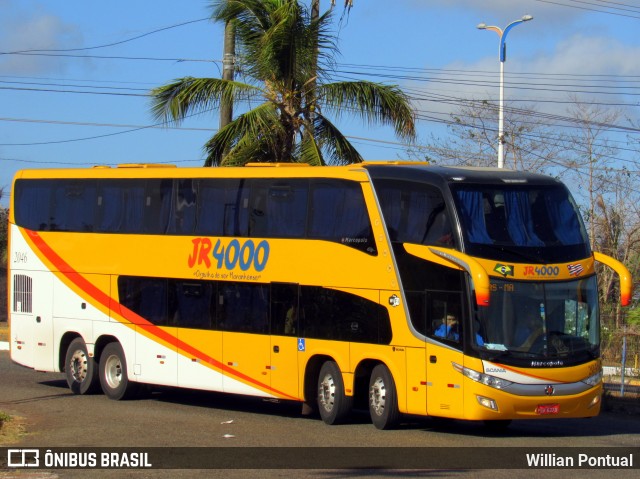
(502, 56)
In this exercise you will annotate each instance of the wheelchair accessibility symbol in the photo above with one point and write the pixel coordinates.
(302, 347)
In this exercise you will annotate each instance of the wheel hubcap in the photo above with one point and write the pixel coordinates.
(327, 392)
(78, 365)
(378, 396)
(113, 371)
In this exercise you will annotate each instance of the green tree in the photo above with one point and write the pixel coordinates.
(278, 44)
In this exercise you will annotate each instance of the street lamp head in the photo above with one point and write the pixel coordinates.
(526, 18)
(481, 26)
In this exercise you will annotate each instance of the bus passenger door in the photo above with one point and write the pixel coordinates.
(284, 340)
(284, 366)
(31, 320)
(444, 383)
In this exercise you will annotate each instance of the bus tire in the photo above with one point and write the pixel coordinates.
(333, 404)
(113, 373)
(383, 399)
(80, 369)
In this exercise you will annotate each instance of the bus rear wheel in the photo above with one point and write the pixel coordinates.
(333, 404)
(383, 400)
(113, 373)
(80, 368)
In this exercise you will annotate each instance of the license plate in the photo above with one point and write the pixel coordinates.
(543, 409)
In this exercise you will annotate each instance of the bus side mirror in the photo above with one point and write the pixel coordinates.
(626, 282)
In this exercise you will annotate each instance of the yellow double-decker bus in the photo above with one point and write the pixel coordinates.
(415, 289)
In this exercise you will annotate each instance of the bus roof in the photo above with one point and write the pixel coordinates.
(455, 174)
(419, 171)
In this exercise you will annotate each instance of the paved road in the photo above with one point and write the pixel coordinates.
(170, 418)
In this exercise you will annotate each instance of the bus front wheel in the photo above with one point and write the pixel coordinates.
(383, 400)
(333, 404)
(80, 368)
(113, 373)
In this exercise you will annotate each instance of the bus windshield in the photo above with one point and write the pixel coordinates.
(520, 223)
(540, 321)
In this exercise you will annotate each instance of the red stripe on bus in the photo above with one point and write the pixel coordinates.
(92, 291)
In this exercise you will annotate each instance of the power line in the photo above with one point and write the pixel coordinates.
(116, 57)
(590, 9)
(190, 22)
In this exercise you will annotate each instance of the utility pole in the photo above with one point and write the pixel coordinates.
(311, 95)
(228, 66)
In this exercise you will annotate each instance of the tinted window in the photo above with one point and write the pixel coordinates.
(149, 298)
(222, 208)
(243, 307)
(33, 201)
(414, 213)
(195, 304)
(278, 208)
(506, 222)
(338, 213)
(331, 314)
(157, 206)
(332, 210)
(284, 309)
(74, 204)
(279, 308)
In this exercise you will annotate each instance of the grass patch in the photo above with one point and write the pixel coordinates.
(11, 429)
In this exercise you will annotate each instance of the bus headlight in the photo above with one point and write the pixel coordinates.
(482, 378)
(594, 380)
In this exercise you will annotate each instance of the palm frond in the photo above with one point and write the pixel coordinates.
(373, 102)
(175, 101)
(309, 151)
(261, 123)
(339, 148)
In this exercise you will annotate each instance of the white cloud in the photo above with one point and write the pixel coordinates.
(21, 31)
(591, 55)
(591, 68)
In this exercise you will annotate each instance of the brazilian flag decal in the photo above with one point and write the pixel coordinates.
(504, 269)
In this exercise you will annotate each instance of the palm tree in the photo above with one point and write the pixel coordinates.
(279, 44)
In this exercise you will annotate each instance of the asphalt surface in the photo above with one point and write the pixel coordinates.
(169, 418)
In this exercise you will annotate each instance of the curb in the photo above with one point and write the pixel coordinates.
(4, 346)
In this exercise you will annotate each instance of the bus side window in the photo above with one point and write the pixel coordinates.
(220, 211)
(278, 208)
(194, 304)
(110, 207)
(414, 213)
(284, 309)
(339, 213)
(243, 307)
(33, 201)
(183, 221)
(444, 316)
(149, 298)
(341, 316)
(74, 206)
(157, 206)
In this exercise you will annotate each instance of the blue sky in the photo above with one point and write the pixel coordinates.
(75, 101)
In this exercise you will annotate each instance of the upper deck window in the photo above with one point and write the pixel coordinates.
(314, 208)
(414, 213)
